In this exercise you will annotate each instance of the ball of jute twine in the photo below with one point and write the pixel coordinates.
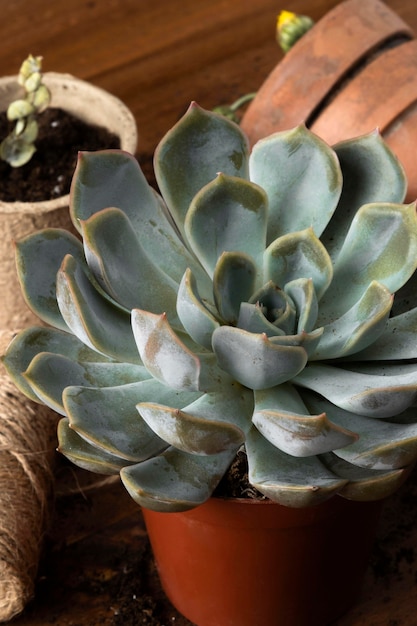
(27, 450)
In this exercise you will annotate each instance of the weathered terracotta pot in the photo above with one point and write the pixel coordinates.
(354, 71)
(244, 563)
(17, 219)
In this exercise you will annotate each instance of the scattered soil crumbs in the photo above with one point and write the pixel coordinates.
(49, 172)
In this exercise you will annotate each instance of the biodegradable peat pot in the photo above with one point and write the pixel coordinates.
(353, 72)
(91, 104)
(246, 562)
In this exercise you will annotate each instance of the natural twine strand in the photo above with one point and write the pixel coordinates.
(27, 443)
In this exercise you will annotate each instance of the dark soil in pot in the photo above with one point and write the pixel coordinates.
(48, 174)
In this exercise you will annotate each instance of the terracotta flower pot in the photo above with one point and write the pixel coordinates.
(354, 71)
(247, 563)
(17, 219)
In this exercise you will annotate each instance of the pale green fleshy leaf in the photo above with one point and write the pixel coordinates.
(234, 282)
(367, 394)
(282, 417)
(211, 424)
(381, 245)
(192, 153)
(112, 178)
(301, 176)
(95, 319)
(371, 173)
(397, 342)
(252, 318)
(169, 359)
(84, 455)
(365, 485)
(175, 481)
(289, 480)
(359, 327)
(277, 307)
(308, 341)
(197, 319)
(165, 356)
(253, 360)
(298, 255)
(406, 297)
(381, 445)
(108, 417)
(228, 215)
(36, 339)
(48, 374)
(304, 297)
(122, 267)
(191, 433)
(16, 151)
(38, 258)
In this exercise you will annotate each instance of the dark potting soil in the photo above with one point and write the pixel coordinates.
(49, 172)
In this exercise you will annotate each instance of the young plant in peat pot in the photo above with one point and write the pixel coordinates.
(45, 120)
(259, 306)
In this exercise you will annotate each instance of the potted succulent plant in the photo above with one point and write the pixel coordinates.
(353, 71)
(245, 313)
(25, 98)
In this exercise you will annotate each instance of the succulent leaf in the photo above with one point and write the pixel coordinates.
(283, 419)
(363, 324)
(49, 374)
(122, 267)
(81, 453)
(38, 279)
(396, 343)
(234, 282)
(363, 256)
(363, 393)
(371, 173)
(37, 340)
(306, 191)
(292, 481)
(95, 414)
(175, 481)
(381, 445)
(96, 320)
(253, 360)
(208, 144)
(213, 423)
(227, 215)
(296, 256)
(252, 318)
(112, 178)
(302, 293)
(198, 321)
(164, 355)
(276, 306)
(364, 484)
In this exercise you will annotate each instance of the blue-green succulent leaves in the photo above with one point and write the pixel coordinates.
(263, 301)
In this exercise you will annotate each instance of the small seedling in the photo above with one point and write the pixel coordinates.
(19, 146)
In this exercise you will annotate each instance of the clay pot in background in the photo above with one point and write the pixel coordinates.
(354, 71)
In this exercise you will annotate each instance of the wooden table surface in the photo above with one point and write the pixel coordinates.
(157, 57)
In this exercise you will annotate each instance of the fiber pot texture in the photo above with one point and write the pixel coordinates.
(246, 562)
(354, 71)
(91, 104)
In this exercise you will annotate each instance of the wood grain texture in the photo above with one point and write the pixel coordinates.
(157, 57)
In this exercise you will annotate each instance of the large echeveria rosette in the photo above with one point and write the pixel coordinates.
(251, 306)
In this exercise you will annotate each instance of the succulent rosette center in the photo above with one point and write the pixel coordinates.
(260, 300)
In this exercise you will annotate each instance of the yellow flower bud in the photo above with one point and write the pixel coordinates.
(290, 27)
